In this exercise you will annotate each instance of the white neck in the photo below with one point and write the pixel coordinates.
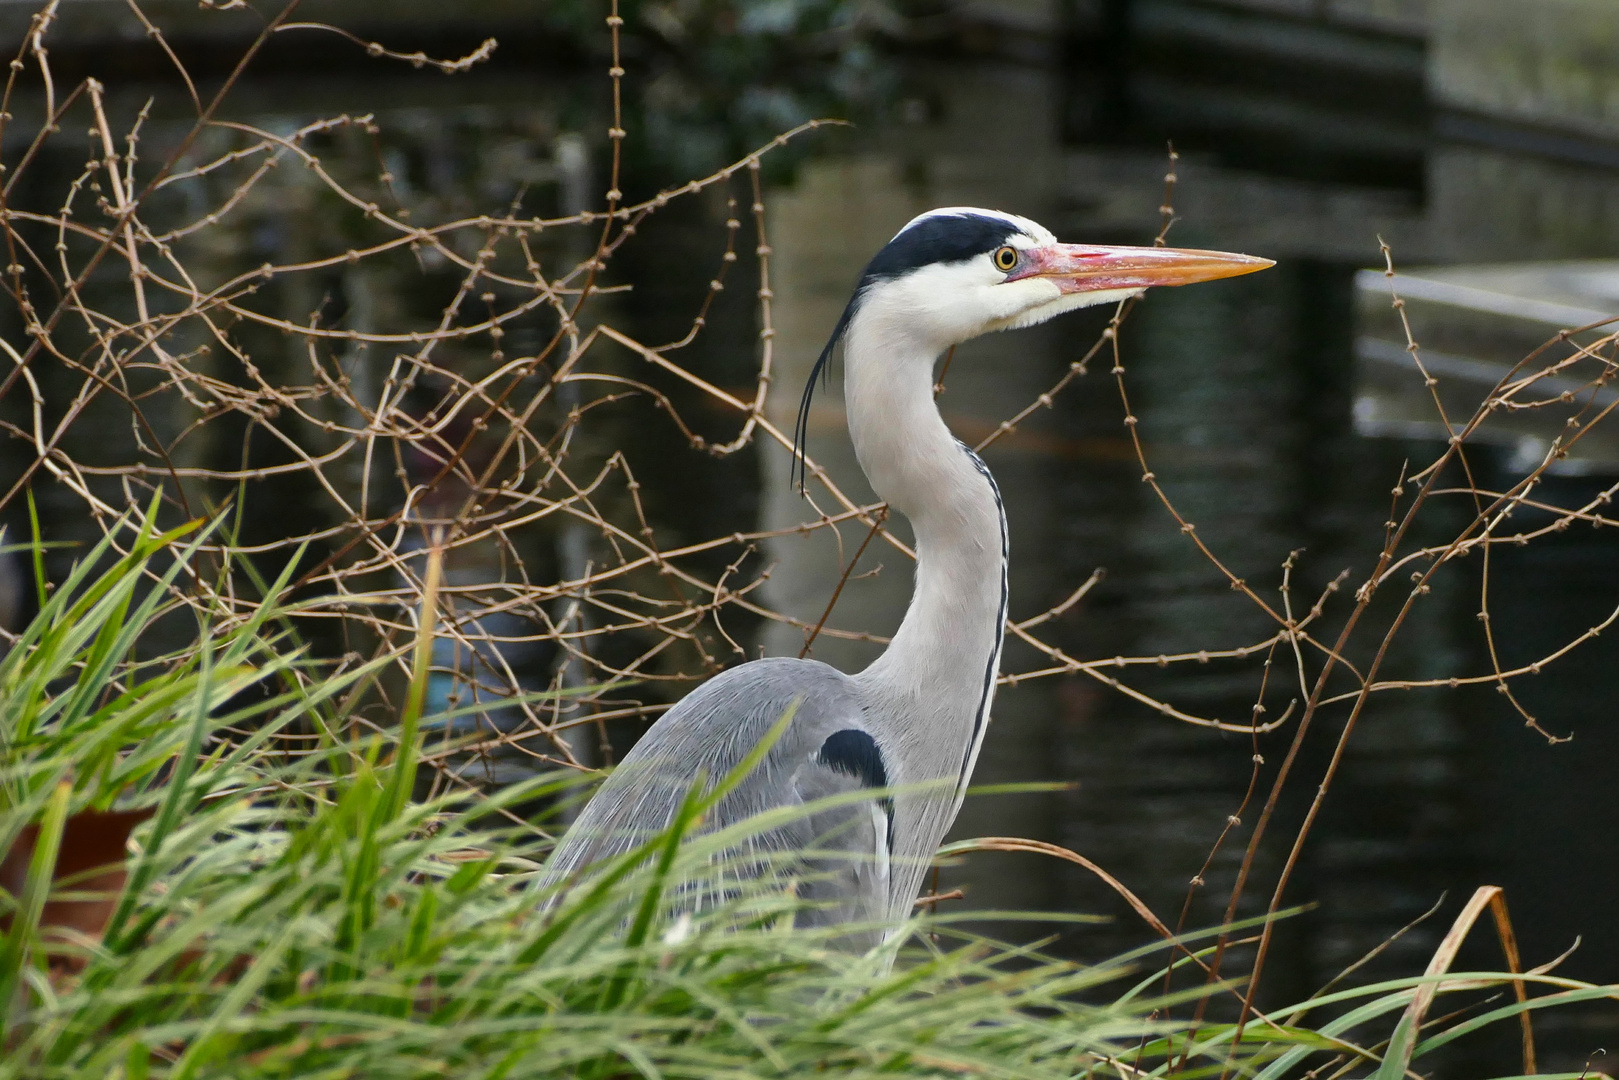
(931, 688)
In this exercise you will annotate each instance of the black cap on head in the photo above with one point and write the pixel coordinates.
(938, 238)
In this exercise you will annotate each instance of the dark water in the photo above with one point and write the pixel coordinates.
(1302, 138)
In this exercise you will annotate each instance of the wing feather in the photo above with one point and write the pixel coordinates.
(828, 750)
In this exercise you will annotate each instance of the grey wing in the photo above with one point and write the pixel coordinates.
(827, 750)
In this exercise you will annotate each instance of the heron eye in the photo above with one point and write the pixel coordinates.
(1005, 258)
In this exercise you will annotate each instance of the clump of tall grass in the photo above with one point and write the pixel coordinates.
(290, 910)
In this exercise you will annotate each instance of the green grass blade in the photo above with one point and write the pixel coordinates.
(402, 777)
(168, 814)
(36, 890)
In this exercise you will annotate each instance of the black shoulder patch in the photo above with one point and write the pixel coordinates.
(854, 753)
(946, 238)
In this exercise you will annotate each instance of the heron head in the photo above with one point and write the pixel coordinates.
(958, 272)
(955, 273)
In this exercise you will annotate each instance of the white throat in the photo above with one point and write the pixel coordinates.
(933, 684)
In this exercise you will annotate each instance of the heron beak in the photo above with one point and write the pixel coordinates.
(1093, 268)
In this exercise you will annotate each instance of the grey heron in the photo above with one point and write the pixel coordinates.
(909, 727)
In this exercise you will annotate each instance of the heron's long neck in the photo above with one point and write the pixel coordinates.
(939, 672)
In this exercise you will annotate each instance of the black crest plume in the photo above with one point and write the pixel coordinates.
(823, 371)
